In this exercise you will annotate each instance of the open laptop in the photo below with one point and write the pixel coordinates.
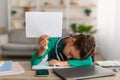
(82, 72)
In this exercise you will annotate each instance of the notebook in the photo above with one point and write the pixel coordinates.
(6, 66)
(108, 63)
(45, 65)
(82, 72)
(17, 69)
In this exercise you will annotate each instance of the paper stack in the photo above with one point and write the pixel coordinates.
(108, 63)
(10, 68)
(5, 66)
(45, 65)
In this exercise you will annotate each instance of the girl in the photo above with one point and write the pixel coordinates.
(66, 51)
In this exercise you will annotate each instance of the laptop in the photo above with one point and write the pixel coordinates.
(82, 72)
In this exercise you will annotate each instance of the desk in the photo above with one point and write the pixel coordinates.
(30, 75)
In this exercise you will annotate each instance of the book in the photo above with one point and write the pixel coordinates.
(5, 66)
(108, 63)
(45, 65)
(17, 69)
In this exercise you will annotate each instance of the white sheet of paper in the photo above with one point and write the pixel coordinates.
(40, 23)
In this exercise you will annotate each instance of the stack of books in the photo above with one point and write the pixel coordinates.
(10, 68)
(108, 63)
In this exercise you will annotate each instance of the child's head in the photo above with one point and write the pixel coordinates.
(85, 43)
(80, 46)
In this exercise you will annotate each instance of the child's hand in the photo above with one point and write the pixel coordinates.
(55, 62)
(43, 41)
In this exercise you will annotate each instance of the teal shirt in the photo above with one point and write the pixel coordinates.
(51, 45)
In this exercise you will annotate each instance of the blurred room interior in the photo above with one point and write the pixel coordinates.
(102, 19)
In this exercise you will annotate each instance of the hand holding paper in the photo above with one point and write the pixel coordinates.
(43, 41)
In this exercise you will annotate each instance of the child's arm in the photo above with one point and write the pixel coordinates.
(75, 63)
(43, 42)
(41, 53)
(83, 62)
(35, 59)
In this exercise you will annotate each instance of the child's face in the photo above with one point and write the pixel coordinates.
(71, 52)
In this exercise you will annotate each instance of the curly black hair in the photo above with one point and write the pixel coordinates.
(86, 44)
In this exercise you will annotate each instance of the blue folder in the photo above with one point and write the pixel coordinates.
(6, 66)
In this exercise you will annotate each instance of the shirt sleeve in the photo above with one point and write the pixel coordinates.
(83, 62)
(35, 59)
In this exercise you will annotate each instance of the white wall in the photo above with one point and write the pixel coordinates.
(3, 13)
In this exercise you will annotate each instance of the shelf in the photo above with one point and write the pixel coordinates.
(52, 6)
(73, 17)
(82, 17)
(17, 18)
(73, 11)
(83, 6)
(71, 6)
(23, 6)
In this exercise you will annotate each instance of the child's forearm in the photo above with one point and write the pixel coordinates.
(41, 52)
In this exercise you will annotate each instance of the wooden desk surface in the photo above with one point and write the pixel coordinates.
(30, 75)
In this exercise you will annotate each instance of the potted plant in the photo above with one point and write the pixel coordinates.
(13, 12)
(73, 27)
(82, 28)
(42, 10)
(87, 11)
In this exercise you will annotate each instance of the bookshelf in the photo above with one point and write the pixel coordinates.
(73, 11)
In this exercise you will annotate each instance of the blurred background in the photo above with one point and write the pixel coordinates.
(95, 17)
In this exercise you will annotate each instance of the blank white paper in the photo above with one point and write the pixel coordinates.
(40, 23)
(45, 65)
